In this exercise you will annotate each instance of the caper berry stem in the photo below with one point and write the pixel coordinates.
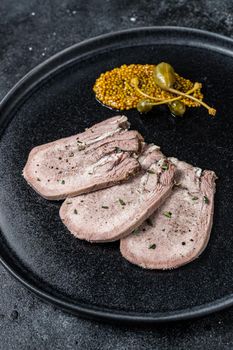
(195, 87)
(211, 110)
(135, 85)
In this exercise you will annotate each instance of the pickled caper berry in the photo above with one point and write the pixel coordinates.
(177, 108)
(164, 75)
(144, 106)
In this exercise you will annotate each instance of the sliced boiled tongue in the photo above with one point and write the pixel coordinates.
(110, 214)
(100, 157)
(179, 229)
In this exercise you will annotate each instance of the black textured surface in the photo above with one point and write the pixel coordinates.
(37, 317)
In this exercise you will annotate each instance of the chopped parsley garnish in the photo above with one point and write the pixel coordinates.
(63, 182)
(206, 200)
(149, 222)
(105, 207)
(168, 214)
(152, 246)
(150, 171)
(38, 179)
(136, 232)
(165, 166)
(75, 211)
(68, 203)
(121, 201)
(194, 198)
(118, 150)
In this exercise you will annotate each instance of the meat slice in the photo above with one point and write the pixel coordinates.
(112, 213)
(179, 230)
(101, 156)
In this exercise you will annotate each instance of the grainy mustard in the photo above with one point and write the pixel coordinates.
(114, 90)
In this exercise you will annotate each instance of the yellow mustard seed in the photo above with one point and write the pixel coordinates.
(113, 88)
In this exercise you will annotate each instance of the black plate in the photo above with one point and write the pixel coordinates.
(56, 100)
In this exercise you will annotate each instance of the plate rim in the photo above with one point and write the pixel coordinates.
(13, 97)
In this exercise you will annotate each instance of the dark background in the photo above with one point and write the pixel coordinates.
(30, 32)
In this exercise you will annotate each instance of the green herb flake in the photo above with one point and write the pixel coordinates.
(68, 203)
(194, 198)
(38, 179)
(118, 150)
(122, 202)
(206, 200)
(149, 222)
(168, 214)
(75, 211)
(105, 207)
(150, 171)
(136, 232)
(71, 154)
(63, 182)
(152, 246)
(165, 166)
